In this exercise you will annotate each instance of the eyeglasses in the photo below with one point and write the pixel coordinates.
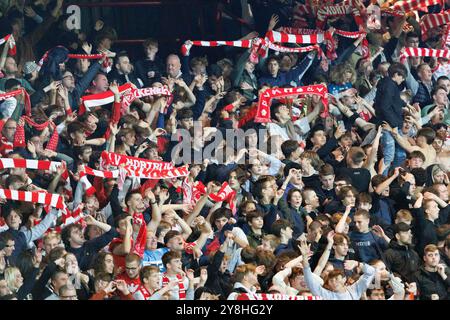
(131, 268)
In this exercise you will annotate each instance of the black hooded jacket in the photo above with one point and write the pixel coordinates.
(402, 260)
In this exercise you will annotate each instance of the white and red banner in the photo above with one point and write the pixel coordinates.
(143, 168)
(268, 296)
(265, 100)
(129, 97)
(341, 9)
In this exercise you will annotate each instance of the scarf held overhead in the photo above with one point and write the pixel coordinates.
(265, 100)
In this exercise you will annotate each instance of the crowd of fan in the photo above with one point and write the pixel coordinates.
(353, 205)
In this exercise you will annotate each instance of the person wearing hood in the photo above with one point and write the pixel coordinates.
(401, 257)
(435, 174)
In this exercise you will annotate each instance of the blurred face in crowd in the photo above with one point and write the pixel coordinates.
(327, 181)
(60, 280)
(124, 65)
(415, 162)
(257, 223)
(92, 204)
(173, 66)
(341, 249)
(377, 294)
(175, 265)
(83, 65)
(14, 220)
(440, 97)
(68, 80)
(176, 243)
(273, 67)
(50, 244)
(132, 268)
(249, 67)
(412, 42)
(233, 181)
(444, 83)
(153, 280)
(432, 259)
(349, 199)
(109, 264)
(10, 66)
(319, 138)
(296, 199)
(101, 83)
(136, 203)
(9, 248)
(9, 129)
(361, 223)
(77, 237)
(151, 50)
(312, 199)
(425, 73)
(443, 192)
(220, 223)
(439, 177)
(432, 210)
(152, 241)
(404, 237)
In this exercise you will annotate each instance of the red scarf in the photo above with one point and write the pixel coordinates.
(181, 288)
(265, 100)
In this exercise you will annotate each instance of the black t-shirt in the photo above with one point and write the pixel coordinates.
(312, 181)
(360, 178)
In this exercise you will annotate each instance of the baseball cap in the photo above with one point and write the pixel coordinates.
(29, 67)
(402, 227)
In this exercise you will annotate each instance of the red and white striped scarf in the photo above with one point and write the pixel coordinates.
(145, 293)
(106, 66)
(434, 20)
(227, 194)
(299, 38)
(424, 52)
(192, 191)
(411, 5)
(7, 95)
(185, 48)
(12, 44)
(8, 163)
(181, 287)
(265, 99)
(100, 99)
(42, 197)
(268, 296)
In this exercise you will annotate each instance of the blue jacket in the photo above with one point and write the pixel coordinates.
(367, 245)
(285, 78)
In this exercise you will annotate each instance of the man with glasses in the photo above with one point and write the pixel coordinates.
(68, 292)
(77, 89)
(131, 274)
